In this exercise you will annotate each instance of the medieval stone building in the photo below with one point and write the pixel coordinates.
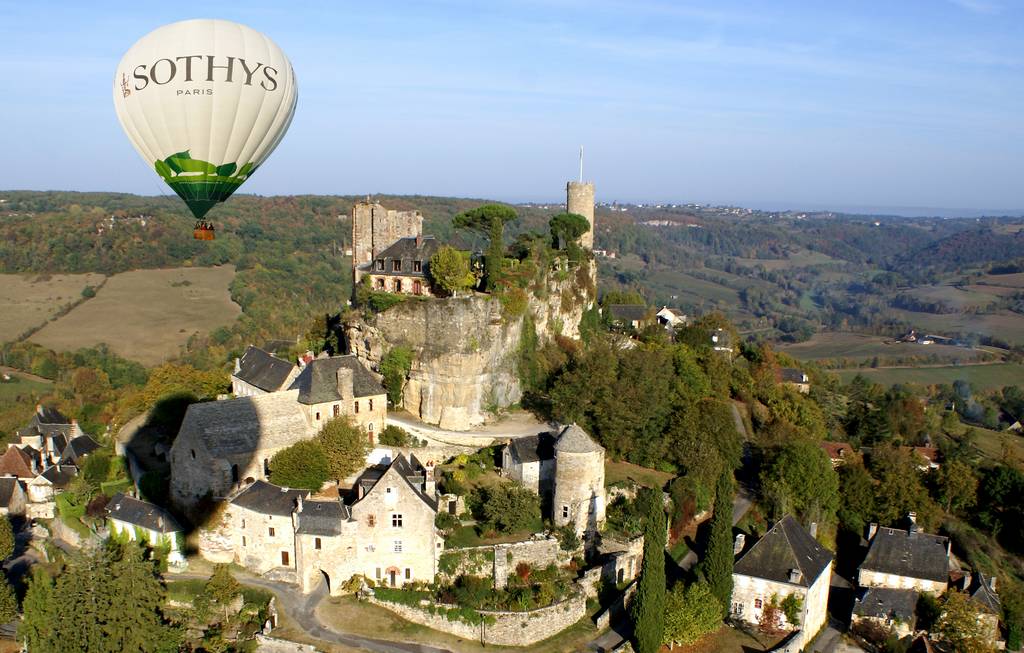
(375, 229)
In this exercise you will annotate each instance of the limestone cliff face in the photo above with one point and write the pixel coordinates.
(466, 348)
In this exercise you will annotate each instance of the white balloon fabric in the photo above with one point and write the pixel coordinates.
(205, 102)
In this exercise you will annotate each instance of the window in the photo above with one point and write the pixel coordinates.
(284, 558)
(266, 466)
(193, 454)
(356, 406)
(270, 531)
(371, 521)
(417, 288)
(398, 546)
(380, 264)
(408, 574)
(318, 415)
(243, 523)
(371, 406)
(243, 540)
(565, 512)
(337, 410)
(316, 544)
(378, 573)
(757, 604)
(398, 285)
(396, 265)
(417, 266)
(388, 490)
(380, 282)
(396, 520)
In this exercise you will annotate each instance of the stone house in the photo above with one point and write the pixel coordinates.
(143, 520)
(404, 266)
(786, 561)
(530, 461)
(385, 534)
(48, 433)
(258, 372)
(982, 590)
(888, 608)
(339, 385)
(374, 229)
(629, 316)
(43, 489)
(12, 497)
(838, 452)
(260, 521)
(905, 559)
(794, 378)
(19, 462)
(722, 341)
(579, 495)
(79, 447)
(670, 318)
(222, 443)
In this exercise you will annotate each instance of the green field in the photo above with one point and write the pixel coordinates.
(801, 259)
(1007, 280)
(147, 315)
(19, 389)
(862, 347)
(955, 297)
(29, 300)
(982, 377)
(1005, 326)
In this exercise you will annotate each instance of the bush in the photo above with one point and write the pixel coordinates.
(395, 436)
(395, 366)
(508, 507)
(302, 465)
(445, 521)
(567, 538)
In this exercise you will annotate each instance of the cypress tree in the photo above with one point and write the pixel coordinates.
(8, 602)
(649, 605)
(6, 538)
(716, 567)
(36, 630)
(136, 622)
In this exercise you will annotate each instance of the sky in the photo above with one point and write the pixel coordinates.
(773, 104)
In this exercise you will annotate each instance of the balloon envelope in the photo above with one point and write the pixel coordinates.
(205, 102)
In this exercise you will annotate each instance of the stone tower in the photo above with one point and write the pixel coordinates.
(579, 497)
(579, 199)
(375, 228)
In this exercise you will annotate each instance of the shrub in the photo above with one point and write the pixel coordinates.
(395, 366)
(445, 521)
(508, 507)
(302, 465)
(395, 436)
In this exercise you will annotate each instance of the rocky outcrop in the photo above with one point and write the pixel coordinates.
(466, 348)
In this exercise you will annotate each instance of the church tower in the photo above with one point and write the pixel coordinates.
(579, 199)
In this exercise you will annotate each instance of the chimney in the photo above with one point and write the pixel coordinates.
(872, 529)
(967, 581)
(992, 583)
(298, 504)
(419, 241)
(238, 365)
(160, 522)
(795, 576)
(912, 518)
(345, 383)
(813, 530)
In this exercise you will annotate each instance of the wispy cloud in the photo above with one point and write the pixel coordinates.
(978, 6)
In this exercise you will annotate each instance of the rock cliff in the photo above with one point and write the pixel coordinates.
(466, 348)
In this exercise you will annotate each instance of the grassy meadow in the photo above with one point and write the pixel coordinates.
(29, 300)
(982, 377)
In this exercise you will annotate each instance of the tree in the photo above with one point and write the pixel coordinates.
(690, 614)
(302, 465)
(449, 271)
(566, 228)
(395, 436)
(136, 624)
(8, 602)
(6, 538)
(38, 607)
(509, 507)
(222, 588)
(956, 485)
(800, 479)
(856, 497)
(899, 489)
(959, 625)
(489, 220)
(716, 566)
(648, 609)
(395, 366)
(345, 446)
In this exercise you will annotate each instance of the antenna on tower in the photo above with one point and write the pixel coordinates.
(581, 164)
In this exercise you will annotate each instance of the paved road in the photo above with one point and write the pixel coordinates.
(515, 425)
(302, 609)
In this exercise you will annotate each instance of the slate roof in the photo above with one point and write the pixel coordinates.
(317, 383)
(371, 477)
(628, 312)
(8, 485)
(141, 513)
(573, 439)
(46, 420)
(785, 547)
(791, 375)
(533, 448)
(912, 554)
(81, 446)
(322, 517)
(986, 596)
(263, 370)
(269, 499)
(407, 251)
(886, 603)
(60, 475)
(15, 462)
(245, 424)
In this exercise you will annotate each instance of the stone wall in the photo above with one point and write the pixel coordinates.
(465, 348)
(500, 560)
(507, 629)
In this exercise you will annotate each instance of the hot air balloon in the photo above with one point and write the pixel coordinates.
(205, 102)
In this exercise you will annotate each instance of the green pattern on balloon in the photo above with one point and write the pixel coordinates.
(200, 183)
